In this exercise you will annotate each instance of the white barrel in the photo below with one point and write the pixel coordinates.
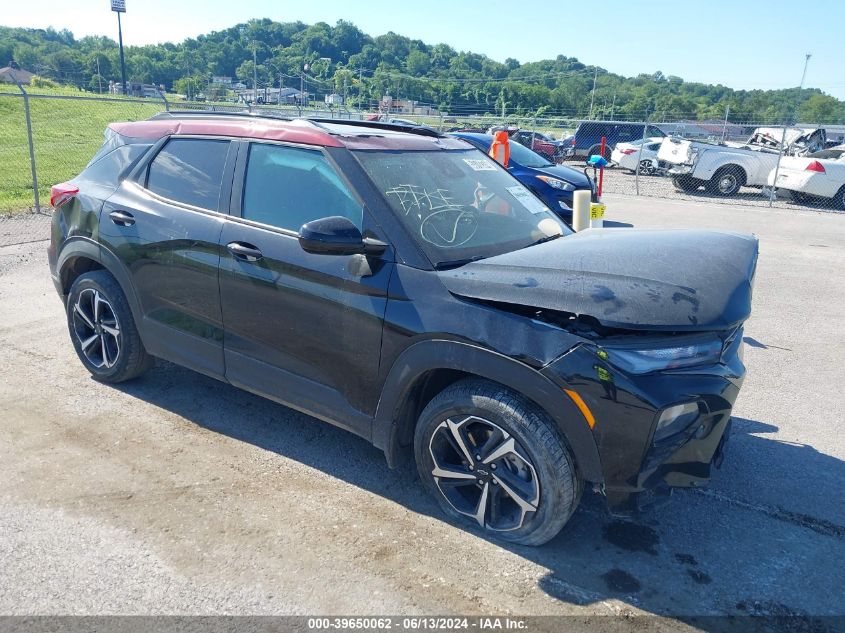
(581, 209)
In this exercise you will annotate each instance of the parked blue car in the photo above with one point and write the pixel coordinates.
(553, 184)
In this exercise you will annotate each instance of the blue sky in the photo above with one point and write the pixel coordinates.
(742, 44)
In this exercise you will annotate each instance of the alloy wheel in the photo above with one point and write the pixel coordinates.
(96, 329)
(727, 184)
(484, 473)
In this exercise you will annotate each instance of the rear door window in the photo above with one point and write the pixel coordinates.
(287, 186)
(189, 171)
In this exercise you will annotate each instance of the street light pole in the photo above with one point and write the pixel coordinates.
(593, 92)
(121, 9)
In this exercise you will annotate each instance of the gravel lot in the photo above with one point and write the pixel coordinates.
(622, 182)
(179, 494)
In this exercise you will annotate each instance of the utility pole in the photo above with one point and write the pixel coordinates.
(360, 85)
(254, 71)
(593, 93)
(773, 193)
(99, 76)
(807, 57)
(302, 96)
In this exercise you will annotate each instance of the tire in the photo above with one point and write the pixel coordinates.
(103, 330)
(726, 181)
(687, 184)
(596, 150)
(801, 198)
(494, 420)
(839, 199)
(647, 167)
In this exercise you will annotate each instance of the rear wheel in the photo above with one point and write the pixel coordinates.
(595, 150)
(102, 329)
(839, 199)
(801, 198)
(726, 181)
(648, 167)
(493, 459)
(686, 183)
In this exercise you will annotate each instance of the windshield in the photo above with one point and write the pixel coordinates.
(460, 205)
(831, 154)
(527, 158)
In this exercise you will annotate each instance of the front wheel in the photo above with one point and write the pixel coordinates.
(493, 459)
(102, 329)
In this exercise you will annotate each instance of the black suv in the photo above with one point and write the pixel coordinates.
(587, 139)
(402, 285)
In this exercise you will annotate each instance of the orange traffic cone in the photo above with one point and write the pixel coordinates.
(500, 150)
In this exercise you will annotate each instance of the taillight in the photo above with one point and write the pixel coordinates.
(815, 166)
(62, 194)
(573, 141)
(628, 151)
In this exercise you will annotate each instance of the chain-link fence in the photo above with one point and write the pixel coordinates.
(49, 138)
(757, 163)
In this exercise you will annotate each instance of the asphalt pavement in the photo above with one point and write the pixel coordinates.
(179, 494)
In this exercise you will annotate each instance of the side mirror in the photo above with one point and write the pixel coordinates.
(337, 235)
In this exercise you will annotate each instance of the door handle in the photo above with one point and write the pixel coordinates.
(243, 251)
(122, 218)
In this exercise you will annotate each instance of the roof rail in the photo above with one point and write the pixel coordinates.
(422, 130)
(213, 114)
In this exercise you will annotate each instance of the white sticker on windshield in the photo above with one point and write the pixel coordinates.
(528, 200)
(479, 164)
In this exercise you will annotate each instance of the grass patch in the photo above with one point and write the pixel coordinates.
(66, 134)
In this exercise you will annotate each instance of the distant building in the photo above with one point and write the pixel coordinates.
(287, 96)
(13, 75)
(334, 99)
(136, 89)
(389, 105)
(222, 80)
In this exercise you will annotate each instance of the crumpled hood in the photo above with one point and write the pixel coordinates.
(680, 280)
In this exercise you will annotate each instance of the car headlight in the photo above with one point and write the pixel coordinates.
(556, 183)
(643, 360)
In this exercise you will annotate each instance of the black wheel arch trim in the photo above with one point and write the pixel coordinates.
(425, 356)
(77, 246)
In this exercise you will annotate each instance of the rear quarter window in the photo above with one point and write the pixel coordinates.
(110, 168)
(189, 171)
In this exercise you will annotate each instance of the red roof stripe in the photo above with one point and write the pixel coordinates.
(296, 131)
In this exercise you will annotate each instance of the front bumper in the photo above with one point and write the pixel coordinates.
(627, 407)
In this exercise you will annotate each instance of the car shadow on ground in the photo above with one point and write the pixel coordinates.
(696, 555)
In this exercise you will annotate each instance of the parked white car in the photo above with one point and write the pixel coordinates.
(817, 175)
(722, 168)
(626, 155)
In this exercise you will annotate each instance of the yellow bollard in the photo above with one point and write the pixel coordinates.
(581, 209)
(597, 215)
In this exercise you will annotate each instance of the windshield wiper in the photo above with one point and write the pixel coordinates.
(456, 262)
(548, 238)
